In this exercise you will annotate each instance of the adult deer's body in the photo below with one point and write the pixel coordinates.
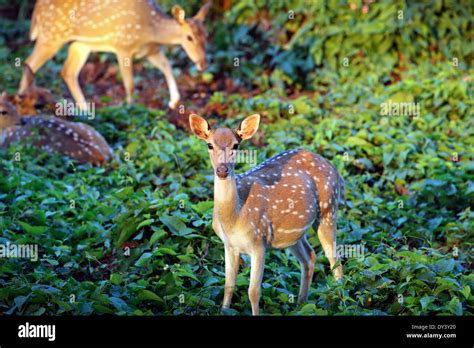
(74, 139)
(128, 28)
(270, 206)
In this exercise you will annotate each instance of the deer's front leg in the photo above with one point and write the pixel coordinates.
(232, 257)
(159, 60)
(257, 264)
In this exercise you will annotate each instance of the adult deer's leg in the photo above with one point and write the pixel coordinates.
(232, 257)
(76, 58)
(126, 69)
(159, 60)
(42, 52)
(327, 237)
(257, 264)
(306, 257)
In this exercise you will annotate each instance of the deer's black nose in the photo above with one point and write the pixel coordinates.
(222, 171)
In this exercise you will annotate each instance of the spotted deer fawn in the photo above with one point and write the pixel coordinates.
(270, 206)
(74, 139)
(128, 28)
(32, 97)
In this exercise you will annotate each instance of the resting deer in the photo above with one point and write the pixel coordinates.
(128, 28)
(74, 139)
(270, 206)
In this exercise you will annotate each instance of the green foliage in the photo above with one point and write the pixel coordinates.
(135, 237)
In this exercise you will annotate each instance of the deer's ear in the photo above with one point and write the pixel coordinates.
(200, 127)
(248, 127)
(202, 13)
(178, 13)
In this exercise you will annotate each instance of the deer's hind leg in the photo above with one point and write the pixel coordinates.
(306, 257)
(327, 237)
(126, 69)
(42, 52)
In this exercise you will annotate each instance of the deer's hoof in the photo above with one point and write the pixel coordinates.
(173, 104)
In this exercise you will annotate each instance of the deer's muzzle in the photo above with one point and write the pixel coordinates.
(201, 65)
(222, 171)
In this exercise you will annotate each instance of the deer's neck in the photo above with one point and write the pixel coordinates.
(166, 31)
(226, 200)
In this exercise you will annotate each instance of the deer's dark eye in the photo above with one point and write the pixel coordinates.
(190, 38)
(209, 146)
(3, 112)
(235, 147)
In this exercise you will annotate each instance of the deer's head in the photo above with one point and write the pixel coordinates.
(8, 115)
(223, 143)
(193, 34)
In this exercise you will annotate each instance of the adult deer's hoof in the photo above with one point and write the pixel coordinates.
(173, 103)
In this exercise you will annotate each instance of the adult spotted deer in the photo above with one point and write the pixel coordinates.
(74, 139)
(270, 206)
(128, 28)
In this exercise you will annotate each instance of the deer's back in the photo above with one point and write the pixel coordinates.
(286, 194)
(74, 139)
(115, 22)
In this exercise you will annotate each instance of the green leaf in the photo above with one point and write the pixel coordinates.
(143, 259)
(357, 142)
(426, 301)
(34, 230)
(149, 295)
(119, 304)
(466, 291)
(311, 309)
(147, 222)
(164, 251)
(455, 306)
(444, 266)
(116, 278)
(175, 225)
(124, 192)
(156, 236)
(203, 206)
